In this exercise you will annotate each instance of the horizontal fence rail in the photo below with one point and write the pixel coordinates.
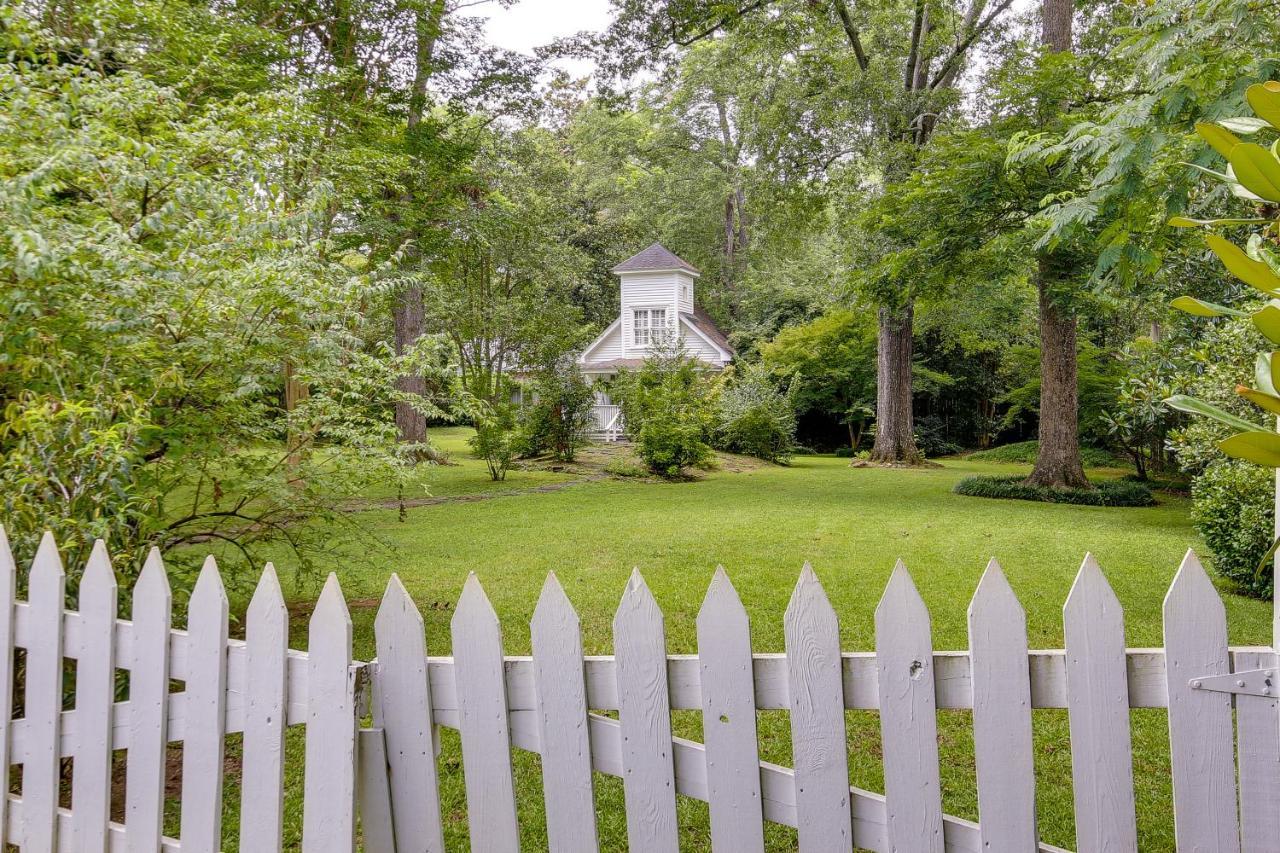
(195, 686)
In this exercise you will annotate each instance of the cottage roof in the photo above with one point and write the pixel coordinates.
(702, 321)
(656, 257)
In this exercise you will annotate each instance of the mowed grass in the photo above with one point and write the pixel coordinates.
(762, 525)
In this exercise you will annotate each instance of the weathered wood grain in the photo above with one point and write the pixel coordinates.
(562, 720)
(818, 742)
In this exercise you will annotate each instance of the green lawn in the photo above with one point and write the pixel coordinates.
(762, 524)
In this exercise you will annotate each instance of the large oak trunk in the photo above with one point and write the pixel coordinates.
(895, 428)
(1058, 461)
(410, 317)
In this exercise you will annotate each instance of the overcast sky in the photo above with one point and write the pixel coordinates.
(531, 23)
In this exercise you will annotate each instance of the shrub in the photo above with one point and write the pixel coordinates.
(845, 452)
(560, 418)
(1233, 509)
(496, 439)
(669, 408)
(1106, 493)
(756, 418)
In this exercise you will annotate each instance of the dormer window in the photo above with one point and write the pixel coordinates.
(684, 293)
(648, 324)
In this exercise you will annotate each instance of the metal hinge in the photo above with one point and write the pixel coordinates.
(1252, 682)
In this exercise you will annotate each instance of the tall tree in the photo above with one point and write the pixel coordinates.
(1058, 462)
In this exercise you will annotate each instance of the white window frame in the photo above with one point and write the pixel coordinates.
(644, 322)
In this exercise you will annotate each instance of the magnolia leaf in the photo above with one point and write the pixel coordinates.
(1220, 138)
(1274, 359)
(1270, 402)
(1238, 189)
(1267, 321)
(1244, 125)
(1259, 446)
(1188, 222)
(1191, 405)
(1256, 169)
(1262, 374)
(1200, 308)
(1264, 98)
(1253, 273)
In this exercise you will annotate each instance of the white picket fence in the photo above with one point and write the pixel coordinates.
(1219, 703)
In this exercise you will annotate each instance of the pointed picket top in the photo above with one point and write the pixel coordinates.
(637, 603)
(208, 591)
(473, 603)
(331, 606)
(396, 607)
(268, 597)
(99, 577)
(47, 563)
(153, 580)
(901, 598)
(1191, 587)
(809, 596)
(994, 595)
(721, 601)
(1091, 589)
(554, 607)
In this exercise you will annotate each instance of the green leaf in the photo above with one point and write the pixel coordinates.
(1253, 273)
(1256, 169)
(1261, 447)
(1264, 98)
(1244, 125)
(1269, 402)
(1188, 222)
(1238, 189)
(1220, 138)
(1262, 373)
(1200, 308)
(1267, 321)
(1191, 405)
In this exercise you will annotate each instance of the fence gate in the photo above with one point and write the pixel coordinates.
(196, 686)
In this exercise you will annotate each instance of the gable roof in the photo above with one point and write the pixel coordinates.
(702, 321)
(656, 257)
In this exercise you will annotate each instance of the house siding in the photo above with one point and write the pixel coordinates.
(645, 290)
(610, 347)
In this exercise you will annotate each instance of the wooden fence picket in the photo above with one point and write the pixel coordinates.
(908, 718)
(402, 709)
(206, 695)
(1002, 743)
(562, 722)
(818, 738)
(148, 708)
(1258, 754)
(541, 703)
(95, 697)
(482, 721)
(1201, 740)
(644, 714)
(8, 595)
(329, 792)
(729, 719)
(266, 637)
(1098, 712)
(41, 774)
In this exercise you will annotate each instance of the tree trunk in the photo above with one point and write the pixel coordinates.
(409, 314)
(895, 428)
(410, 317)
(1058, 462)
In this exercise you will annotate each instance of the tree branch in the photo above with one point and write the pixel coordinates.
(855, 40)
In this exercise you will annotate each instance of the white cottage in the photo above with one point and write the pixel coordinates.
(657, 301)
